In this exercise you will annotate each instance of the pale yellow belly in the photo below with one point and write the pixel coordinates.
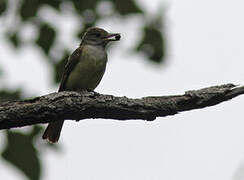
(88, 72)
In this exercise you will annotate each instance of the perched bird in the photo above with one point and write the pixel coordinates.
(84, 70)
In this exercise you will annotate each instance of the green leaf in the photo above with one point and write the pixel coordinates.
(82, 5)
(7, 95)
(14, 39)
(152, 44)
(21, 153)
(46, 37)
(29, 8)
(126, 7)
(53, 3)
(3, 6)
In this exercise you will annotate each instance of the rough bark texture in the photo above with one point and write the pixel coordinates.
(83, 105)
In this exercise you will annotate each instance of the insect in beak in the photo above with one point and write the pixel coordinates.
(113, 37)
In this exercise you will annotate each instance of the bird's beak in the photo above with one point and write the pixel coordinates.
(113, 37)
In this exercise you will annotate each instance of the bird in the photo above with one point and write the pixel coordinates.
(84, 70)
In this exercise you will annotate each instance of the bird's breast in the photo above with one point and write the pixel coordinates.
(96, 56)
(89, 70)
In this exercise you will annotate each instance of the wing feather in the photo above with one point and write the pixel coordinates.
(72, 61)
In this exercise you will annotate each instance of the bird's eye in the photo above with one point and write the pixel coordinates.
(98, 35)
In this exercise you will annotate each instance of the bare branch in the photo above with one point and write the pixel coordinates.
(84, 105)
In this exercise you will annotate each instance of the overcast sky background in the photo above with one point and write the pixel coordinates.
(205, 48)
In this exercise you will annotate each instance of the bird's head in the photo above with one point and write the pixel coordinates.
(98, 36)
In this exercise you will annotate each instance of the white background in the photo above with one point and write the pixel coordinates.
(205, 48)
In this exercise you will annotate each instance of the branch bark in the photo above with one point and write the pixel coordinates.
(84, 105)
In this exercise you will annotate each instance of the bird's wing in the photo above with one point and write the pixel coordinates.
(72, 61)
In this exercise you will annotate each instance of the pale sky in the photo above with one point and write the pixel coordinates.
(205, 48)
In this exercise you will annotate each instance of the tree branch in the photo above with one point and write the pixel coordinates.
(83, 105)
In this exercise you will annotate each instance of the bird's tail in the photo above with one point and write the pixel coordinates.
(52, 132)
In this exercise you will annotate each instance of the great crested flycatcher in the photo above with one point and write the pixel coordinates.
(84, 70)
